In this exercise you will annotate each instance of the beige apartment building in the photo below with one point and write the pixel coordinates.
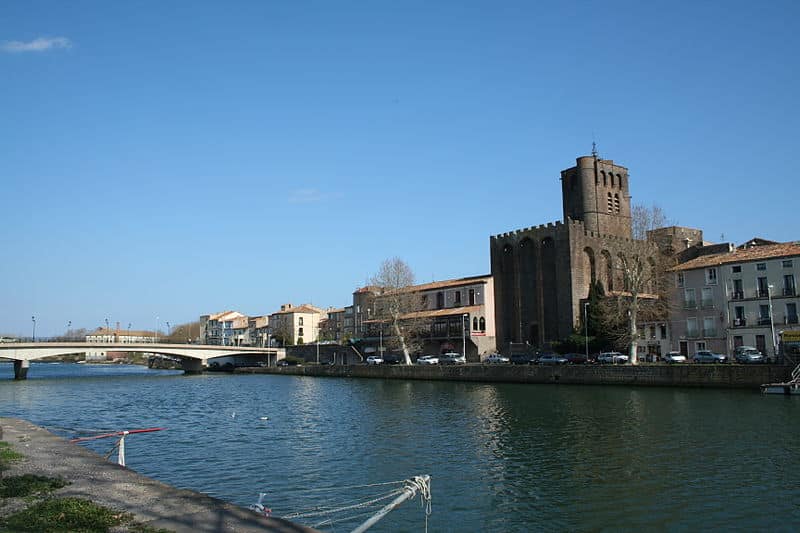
(742, 296)
(295, 324)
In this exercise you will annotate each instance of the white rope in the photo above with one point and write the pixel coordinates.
(323, 511)
(424, 487)
(326, 514)
(328, 489)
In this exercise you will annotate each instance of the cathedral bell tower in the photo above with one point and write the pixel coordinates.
(596, 192)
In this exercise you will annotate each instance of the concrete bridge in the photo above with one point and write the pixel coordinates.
(194, 357)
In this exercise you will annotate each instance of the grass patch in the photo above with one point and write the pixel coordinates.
(29, 484)
(7, 454)
(66, 514)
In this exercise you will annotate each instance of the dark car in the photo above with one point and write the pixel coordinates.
(523, 359)
(576, 358)
(393, 359)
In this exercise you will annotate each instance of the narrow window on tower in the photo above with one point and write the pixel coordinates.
(616, 203)
(610, 203)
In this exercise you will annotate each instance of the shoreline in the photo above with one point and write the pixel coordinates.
(151, 502)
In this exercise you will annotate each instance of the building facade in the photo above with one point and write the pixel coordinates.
(452, 315)
(742, 296)
(115, 335)
(218, 328)
(295, 324)
(542, 274)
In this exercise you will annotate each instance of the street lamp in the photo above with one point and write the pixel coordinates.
(586, 326)
(771, 321)
(169, 331)
(69, 329)
(33, 319)
(155, 335)
(464, 318)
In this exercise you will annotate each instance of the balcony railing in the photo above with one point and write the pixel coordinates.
(764, 321)
(691, 334)
(709, 333)
(739, 322)
(690, 304)
(790, 319)
(762, 293)
(789, 291)
(708, 304)
(737, 295)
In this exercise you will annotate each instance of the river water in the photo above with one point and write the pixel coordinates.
(501, 457)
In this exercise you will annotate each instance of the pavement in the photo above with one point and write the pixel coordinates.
(151, 502)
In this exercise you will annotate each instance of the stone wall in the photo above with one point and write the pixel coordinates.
(712, 376)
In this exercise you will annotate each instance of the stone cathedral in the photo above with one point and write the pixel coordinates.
(542, 274)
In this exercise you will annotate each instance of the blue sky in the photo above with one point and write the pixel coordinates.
(169, 159)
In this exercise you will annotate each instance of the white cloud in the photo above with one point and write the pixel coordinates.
(305, 196)
(40, 44)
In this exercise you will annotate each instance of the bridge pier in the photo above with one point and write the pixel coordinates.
(21, 369)
(192, 366)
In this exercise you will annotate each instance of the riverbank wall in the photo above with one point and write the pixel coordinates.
(151, 502)
(688, 375)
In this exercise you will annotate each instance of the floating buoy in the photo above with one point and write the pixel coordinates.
(263, 418)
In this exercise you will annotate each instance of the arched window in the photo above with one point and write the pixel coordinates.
(612, 178)
(475, 324)
(610, 206)
(483, 324)
(616, 202)
(605, 179)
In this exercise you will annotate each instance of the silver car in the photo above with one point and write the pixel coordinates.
(452, 358)
(673, 357)
(496, 358)
(747, 355)
(427, 360)
(613, 358)
(707, 356)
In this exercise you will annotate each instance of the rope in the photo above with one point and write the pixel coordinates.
(424, 488)
(328, 489)
(365, 505)
(323, 511)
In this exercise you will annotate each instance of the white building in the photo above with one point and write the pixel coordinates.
(744, 296)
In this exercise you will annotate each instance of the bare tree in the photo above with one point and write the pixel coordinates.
(641, 268)
(182, 333)
(396, 303)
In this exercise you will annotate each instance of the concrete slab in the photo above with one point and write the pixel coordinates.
(151, 502)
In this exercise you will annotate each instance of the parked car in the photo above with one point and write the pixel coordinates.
(452, 358)
(374, 360)
(612, 357)
(427, 360)
(576, 358)
(748, 355)
(523, 359)
(673, 357)
(496, 359)
(707, 356)
(551, 359)
(392, 358)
